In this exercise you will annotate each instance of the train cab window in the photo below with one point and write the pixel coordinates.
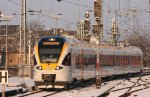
(34, 60)
(50, 55)
(67, 60)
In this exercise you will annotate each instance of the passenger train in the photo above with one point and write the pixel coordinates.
(59, 60)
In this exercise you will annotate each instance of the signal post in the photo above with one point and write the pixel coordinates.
(97, 32)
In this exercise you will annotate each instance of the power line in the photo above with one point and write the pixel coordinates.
(14, 3)
(77, 4)
(113, 11)
(59, 19)
(82, 5)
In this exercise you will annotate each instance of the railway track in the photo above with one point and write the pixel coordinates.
(52, 94)
(31, 93)
(106, 93)
(136, 86)
(27, 94)
(128, 86)
(129, 89)
(42, 93)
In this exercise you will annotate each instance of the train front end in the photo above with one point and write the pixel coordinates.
(52, 61)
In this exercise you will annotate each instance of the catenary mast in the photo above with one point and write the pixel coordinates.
(97, 32)
(23, 35)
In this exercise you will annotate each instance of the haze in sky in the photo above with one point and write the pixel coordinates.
(71, 12)
(46, 9)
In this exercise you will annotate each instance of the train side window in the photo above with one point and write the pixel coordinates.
(77, 61)
(67, 60)
(139, 60)
(34, 60)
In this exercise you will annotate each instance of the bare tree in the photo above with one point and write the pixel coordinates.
(143, 42)
(36, 25)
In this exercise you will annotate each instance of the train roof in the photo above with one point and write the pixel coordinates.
(103, 47)
(106, 47)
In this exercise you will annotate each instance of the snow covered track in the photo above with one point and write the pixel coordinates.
(31, 93)
(108, 91)
(138, 86)
(43, 92)
(40, 93)
(52, 94)
(127, 92)
(127, 87)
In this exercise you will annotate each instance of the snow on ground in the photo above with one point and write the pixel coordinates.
(91, 91)
(16, 83)
(15, 80)
(140, 93)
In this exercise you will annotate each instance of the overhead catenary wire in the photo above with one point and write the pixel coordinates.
(14, 2)
(39, 13)
(82, 5)
(112, 11)
(51, 16)
(86, 6)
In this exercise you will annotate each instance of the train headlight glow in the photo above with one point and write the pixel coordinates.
(52, 39)
(58, 67)
(39, 67)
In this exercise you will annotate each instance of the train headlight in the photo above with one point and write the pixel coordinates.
(58, 67)
(39, 67)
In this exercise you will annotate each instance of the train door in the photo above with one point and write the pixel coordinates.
(67, 60)
(67, 65)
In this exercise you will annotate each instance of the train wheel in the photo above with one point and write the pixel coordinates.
(67, 87)
(34, 88)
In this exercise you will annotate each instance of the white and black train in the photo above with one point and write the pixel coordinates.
(58, 61)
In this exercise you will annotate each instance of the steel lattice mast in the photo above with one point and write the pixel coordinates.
(22, 49)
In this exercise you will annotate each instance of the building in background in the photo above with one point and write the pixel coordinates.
(14, 42)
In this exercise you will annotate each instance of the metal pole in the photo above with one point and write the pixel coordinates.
(56, 17)
(79, 10)
(21, 30)
(98, 78)
(56, 26)
(29, 47)
(3, 90)
(29, 57)
(6, 42)
(29, 53)
(99, 40)
(25, 61)
(24, 32)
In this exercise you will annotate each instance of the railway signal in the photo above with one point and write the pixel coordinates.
(3, 80)
(97, 31)
(97, 8)
(114, 31)
(86, 25)
(86, 36)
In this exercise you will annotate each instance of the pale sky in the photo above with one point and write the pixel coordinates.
(70, 12)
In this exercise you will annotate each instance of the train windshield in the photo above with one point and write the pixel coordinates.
(49, 51)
